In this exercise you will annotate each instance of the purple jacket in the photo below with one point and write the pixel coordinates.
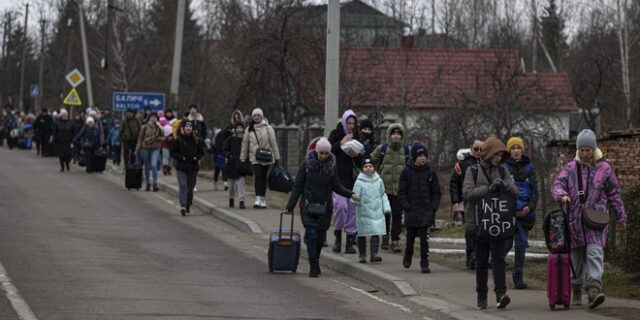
(603, 194)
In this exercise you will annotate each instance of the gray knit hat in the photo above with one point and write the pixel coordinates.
(586, 138)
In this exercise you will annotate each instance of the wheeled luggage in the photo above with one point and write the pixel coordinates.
(99, 163)
(133, 175)
(559, 270)
(284, 248)
(559, 280)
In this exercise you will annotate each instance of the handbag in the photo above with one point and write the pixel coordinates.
(86, 143)
(591, 218)
(101, 152)
(263, 154)
(314, 209)
(494, 213)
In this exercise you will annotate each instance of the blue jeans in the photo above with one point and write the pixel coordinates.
(314, 237)
(520, 250)
(150, 158)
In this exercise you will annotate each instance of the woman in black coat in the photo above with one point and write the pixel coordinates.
(315, 182)
(62, 138)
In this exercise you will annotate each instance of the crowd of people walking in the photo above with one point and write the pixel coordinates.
(351, 181)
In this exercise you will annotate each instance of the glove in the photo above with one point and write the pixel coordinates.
(495, 186)
(184, 158)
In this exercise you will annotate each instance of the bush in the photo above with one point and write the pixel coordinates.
(626, 253)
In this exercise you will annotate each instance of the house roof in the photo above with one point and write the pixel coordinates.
(352, 14)
(442, 78)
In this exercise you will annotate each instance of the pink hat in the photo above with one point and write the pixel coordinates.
(160, 114)
(163, 121)
(323, 145)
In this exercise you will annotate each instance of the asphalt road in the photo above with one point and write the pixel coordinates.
(78, 246)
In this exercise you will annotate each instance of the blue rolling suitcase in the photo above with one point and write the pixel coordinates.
(284, 248)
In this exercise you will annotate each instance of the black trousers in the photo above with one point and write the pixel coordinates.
(260, 173)
(394, 220)
(470, 240)
(496, 250)
(423, 234)
(128, 147)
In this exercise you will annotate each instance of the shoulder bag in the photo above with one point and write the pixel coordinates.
(262, 154)
(591, 218)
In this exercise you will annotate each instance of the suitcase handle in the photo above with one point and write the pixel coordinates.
(281, 218)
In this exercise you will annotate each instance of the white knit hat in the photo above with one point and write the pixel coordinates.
(257, 111)
(90, 120)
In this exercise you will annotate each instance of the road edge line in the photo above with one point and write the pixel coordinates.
(18, 303)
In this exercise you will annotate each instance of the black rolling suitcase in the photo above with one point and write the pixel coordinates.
(133, 175)
(100, 156)
(284, 248)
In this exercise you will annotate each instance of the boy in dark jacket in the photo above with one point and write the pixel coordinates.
(419, 196)
(231, 150)
(187, 150)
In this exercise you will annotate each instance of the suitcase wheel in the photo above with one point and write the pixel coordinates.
(552, 306)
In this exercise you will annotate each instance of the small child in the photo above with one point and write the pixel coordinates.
(419, 195)
(370, 211)
(114, 143)
(235, 172)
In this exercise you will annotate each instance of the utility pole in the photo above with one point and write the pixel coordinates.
(534, 32)
(332, 68)
(41, 72)
(24, 60)
(85, 54)
(177, 52)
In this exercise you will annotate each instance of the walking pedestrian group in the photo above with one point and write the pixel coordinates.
(363, 187)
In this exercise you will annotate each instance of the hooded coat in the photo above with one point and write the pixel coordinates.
(345, 165)
(372, 206)
(259, 135)
(187, 151)
(394, 161)
(315, 182)
(229, 131)
(473, 189)
(63, 137)
(603, 194)
(419, 195)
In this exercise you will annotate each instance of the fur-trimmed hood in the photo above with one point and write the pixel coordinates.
(328, 166)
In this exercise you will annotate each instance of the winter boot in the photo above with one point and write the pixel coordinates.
(348, 248)
(183, 211)
(482, 301)
(385, 242)
(424, 266)
(241, 205)
(406, 260)
(576, 297)
(395, 246)
(503, 300)
(314, 267)
(337, 246)
(148, 187)
(231, 204)
(362, 249)
(375, 241)
(596, 297)
(518, 282)
(155, 187)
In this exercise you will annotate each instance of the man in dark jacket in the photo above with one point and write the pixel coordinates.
(129, 135)
(457, 200)
(346, 168)
(187, 150)
(315, 182)
(43, 127)
(419, 195)
(521, 171)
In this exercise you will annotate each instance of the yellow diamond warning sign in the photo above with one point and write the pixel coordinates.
(73, 98)
(75, 78)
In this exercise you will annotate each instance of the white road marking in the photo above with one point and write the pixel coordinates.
(17, 302)
(393, 304)
(167, 200)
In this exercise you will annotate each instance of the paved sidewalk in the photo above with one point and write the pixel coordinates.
(451, 291)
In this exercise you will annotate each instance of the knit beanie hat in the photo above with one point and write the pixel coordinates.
(515, 141)
(90, 120)
(257, 111)
(64, 112)
(367, 161)
(418, 149)
(323, 145)
(163, 121)
(366, 123)
(587, 138)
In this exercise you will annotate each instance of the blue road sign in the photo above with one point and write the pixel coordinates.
(33, 92)
(138, 101)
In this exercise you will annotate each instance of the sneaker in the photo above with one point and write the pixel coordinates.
(226, 186)
(195, 189)
(256, 204)
(406, 261)
(596, 297)
(263, 203)
(503, 301)
(482, 302)
(183, 211)
(155, 187)
(395, 246)
(576, 297)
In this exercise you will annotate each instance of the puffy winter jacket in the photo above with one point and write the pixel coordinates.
(393, 163)
(260, 135)
(372, 206)
(419, 195)
(187, 150)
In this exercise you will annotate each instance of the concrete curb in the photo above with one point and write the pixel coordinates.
(532, 243)
(227, 216)
(385, 281)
